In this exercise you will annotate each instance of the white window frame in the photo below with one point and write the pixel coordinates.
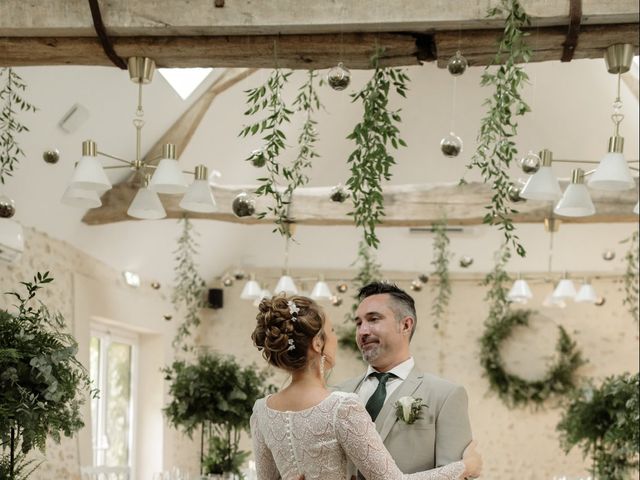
(109, 333)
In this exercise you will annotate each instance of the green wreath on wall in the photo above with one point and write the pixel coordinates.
(514, 390)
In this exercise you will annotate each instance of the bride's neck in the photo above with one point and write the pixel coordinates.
(307, 378)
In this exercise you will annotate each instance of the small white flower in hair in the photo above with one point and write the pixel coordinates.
(292, 345)
(293, 310)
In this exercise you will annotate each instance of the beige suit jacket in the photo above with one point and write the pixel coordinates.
(438, 437)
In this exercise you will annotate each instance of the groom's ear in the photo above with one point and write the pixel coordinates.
(406, 325)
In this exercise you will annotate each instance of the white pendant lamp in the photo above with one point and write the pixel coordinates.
(286, 285)
(520, 292)
(11, 239)
(321, 291)
(542, 185)
(613, 172)
(586, 294)
(89, 174)
(76, 197)
(168, 177)
(564, 290)
(146, 205)
(199, 197)
(551, 301)
(264, 294)
(576, 201)
(252, 290)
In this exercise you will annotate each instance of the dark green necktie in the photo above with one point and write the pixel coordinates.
(376, 401)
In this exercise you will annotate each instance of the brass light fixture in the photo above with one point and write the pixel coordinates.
(89, 178)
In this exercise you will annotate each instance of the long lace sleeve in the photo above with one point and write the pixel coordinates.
(357, 435)
(265, 465)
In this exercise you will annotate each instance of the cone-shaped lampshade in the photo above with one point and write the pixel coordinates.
(542, 185)
(146, 205)
(264, 294)
(520, 292)
(576, 202)
(551, 301)
(612, 173)
(251, 291)
(12, 239)
(89, 175)
(564, 290)
(199, 198)
(286, 285)
(168, 178)
(321, 291)
(76, 197)
(586, 294)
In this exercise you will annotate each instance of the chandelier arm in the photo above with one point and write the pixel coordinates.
(113, 157)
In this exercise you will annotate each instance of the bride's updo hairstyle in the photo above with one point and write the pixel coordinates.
(285, 328)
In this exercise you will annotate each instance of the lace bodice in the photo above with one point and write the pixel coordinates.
(318, 441)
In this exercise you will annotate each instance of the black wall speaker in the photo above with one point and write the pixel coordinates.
(215, 298)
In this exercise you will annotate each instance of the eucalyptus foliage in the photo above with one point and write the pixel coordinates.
(42, 384)
(368, 271)
(371, 161)
(216, 395)
(440, 262)
(189, 290)
(631, 277)
(603, 421)
(12, 103)
(498, 280)
(496, 149)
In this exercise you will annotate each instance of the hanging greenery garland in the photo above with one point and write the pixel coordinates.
(441, 257)
(189, 290)
(371, 162)
(631, 277)
(514, 390)
(368, 271)
(12, 103)
(496, 148)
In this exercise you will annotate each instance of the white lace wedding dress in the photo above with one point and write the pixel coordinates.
(318, 441)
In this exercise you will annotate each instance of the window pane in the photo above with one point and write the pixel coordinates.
(118, 403)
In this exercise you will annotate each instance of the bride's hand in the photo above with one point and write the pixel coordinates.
(472, 461)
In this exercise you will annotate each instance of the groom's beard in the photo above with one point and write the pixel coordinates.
(371, 354)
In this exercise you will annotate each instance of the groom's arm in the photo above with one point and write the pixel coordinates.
(453, 429)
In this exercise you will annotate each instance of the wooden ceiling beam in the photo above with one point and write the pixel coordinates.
(405, 206)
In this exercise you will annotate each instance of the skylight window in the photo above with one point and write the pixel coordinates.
(185, 80)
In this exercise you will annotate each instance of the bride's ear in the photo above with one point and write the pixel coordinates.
(317, 344)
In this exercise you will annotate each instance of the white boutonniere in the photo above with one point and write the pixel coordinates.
(408, 409)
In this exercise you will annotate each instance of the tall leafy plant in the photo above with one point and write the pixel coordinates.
(42, 384)
(370, 163)
(631, 277)
(496, 148)
(214, 394)
(440, 262)
(189, 290)
(603, 421)
(12, 103)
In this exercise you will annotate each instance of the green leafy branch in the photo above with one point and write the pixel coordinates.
(370, 162)
(268, 98)
(440, 262)
(188, 292)
(496, 148)
(498, 280)
(631, 277)
(368, 271)
(12, 103)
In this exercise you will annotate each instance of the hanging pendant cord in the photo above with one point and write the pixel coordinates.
(571, 40)
(101, 31)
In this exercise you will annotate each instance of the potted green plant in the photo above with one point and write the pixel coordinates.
(41, 382)
(214, 394)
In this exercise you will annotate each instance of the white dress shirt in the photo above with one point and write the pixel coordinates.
(370, 383)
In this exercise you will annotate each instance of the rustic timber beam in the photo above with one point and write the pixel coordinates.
(405, 206)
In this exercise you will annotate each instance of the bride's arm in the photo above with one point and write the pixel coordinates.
(358, 436)
(265, 464)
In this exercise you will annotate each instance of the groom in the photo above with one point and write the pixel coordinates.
(385, 323)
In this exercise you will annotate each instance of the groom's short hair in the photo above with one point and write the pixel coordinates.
(403, 304)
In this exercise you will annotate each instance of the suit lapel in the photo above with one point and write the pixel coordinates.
(352, 386)
(387, 417)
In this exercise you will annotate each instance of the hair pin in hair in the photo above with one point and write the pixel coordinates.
(293, 310)
(292, 345)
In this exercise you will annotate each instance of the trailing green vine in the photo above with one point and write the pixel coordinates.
(368, 271)
(604, 422)
(498, 280)
(440, 262)
(189, 289)
(370, 162)
(496, 148)
(631, 277)
(10, 128)
(268, 97)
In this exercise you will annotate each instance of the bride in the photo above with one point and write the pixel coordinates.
(305, 430)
